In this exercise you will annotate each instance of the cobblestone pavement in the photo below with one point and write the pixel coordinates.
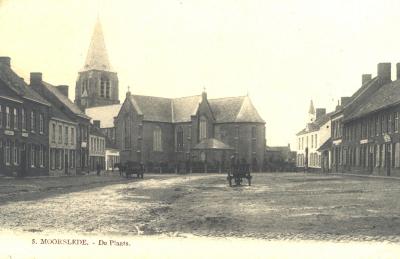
(278, 206)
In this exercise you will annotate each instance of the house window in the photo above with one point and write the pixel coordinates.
(33, 121)
(396, 122)
(203, 128)
(15, 118)
(32, 156)
(382, 124)
(66, 133)
(59, 134)
(61, 160)
(312, 141)
(157, 139)
(179, 139)
(41, 156)
(53, 132)
(52, 158)
(389, 123)
(1, 117)
(72, 158)
(316, 141)
(8, 117)
(41, 123)
(8, 152)
(23, 119)
(72, 136)
(15, 153)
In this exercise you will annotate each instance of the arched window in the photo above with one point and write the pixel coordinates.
(104, 85)
(108, 89)
(127, 132)
(179, 139)
(157, 146)
(203, 128)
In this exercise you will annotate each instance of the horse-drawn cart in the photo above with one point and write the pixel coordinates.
(237, 173)
(130, 168)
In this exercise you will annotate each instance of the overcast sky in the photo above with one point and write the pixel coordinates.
(282, 53)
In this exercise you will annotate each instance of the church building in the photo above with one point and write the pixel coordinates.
(97, 84)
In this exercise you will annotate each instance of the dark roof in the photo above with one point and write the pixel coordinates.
(212, 144)
(225, 110)
(183, 108)
(234, 109)
(386, 96)
(153, 108)
(58, 114)
(93, 130)
(110, 144)
(18, 85)
(64, 100)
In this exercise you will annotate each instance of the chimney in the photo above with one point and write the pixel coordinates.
(398, 71)
(344, 100)
(63, 89)
(319, 112)
(96, 123)
(36, 78)
(365, 78)
(5, 61)
(384, 72)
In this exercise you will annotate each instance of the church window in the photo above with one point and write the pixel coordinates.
(108, 89)
(102, 87)
(179, 139)
(157, 146)
(127, 132)
(203, 128)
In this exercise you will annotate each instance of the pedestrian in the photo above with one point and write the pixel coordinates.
(98, 168)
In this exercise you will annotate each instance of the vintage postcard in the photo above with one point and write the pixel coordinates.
(199, 129)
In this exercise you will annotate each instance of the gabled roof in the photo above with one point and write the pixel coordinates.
(64, 100)
(183, 108)
(97, 57)
(234, 109)
(56, 113)
(18, 85)
(105, 114)
(93, 130)
(175, 110)
(386, 96)
(153, 108)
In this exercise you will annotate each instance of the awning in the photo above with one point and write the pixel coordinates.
(212, 144)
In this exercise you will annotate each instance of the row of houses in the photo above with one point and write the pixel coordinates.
(41, 131)
(362, 134)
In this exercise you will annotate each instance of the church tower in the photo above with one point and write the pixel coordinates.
(97, 84)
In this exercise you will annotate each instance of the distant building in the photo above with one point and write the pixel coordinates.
(316, 133)
(97, 148)
(365, 129)
(155, 130)
(279, 158)
(24, 120)
(70, 153)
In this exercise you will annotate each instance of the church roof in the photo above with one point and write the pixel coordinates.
(18, 85)
(212, 144)
(175, 110)
(97, 57)
(183, 108)
(234, 109)
(105, 114)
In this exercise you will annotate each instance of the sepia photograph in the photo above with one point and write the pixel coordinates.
(199, 129)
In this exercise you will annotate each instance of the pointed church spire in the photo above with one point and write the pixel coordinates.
(97, 57)
(311, 110)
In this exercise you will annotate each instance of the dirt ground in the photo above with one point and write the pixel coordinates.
(278, 206)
